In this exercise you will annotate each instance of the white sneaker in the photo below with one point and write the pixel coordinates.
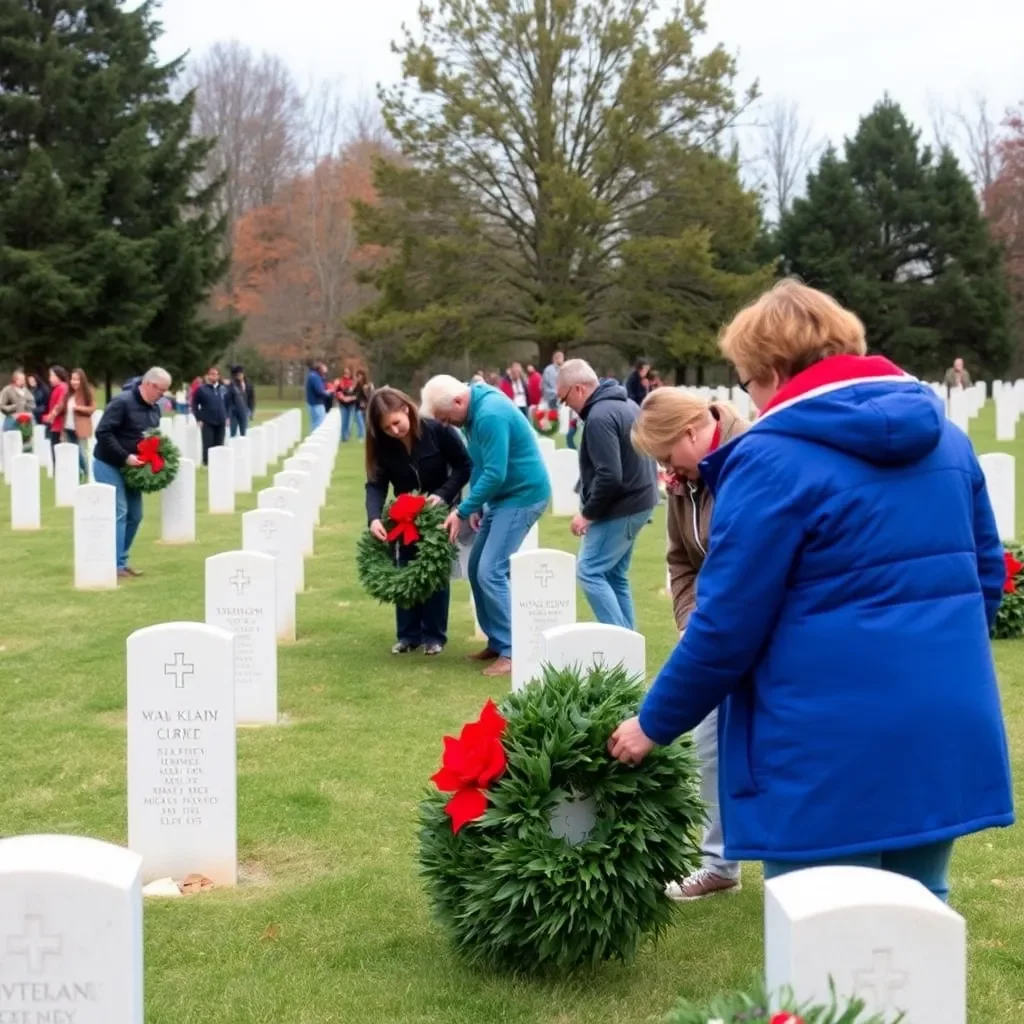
(703, 882)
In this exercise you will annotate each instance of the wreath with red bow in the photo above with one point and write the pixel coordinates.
(545, 421)
(537, 848)
(415, 562)
(160, 458)
(752, 1007)
(1009, 622)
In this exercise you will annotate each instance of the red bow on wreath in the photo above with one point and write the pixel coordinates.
(470, 764)
(149, 454)
(404, 511)
(1012, 568)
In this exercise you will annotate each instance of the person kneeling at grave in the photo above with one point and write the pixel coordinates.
(408, 452)
(843, 612)
(679, 429)
(129, 417)
(509, 491)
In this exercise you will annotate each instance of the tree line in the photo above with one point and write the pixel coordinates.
(552, 174)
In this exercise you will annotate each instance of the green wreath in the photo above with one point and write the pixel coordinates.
(408, 520)
(511, 881)
(160, 460)
(1009, 624)
(751, 1007)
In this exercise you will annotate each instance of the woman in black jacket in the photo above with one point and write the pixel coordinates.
(407, 452)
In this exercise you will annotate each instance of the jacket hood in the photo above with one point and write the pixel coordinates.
(865, 406)
(606, 391)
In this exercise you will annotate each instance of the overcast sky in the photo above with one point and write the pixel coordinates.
(836, 57)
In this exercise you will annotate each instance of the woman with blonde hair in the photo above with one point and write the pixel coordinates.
(843, 612)
(679, 429)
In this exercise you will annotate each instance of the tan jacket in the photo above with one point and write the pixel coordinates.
(83, 417)
(689, 524)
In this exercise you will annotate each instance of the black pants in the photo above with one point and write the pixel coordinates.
(213, 437)
(426, 623)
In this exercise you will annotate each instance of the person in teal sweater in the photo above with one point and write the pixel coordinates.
(509, 491)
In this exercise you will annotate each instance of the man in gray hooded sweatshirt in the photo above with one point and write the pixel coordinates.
(618, 490)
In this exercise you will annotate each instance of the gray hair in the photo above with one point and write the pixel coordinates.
(439, 393)
(576, 371)
(157, 375)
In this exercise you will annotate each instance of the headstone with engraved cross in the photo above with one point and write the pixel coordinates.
(95, 537)
(178, 504)
(241, 598)
(272, 531)
(879, 936)
(593, 644)
(181, 751)
(70, 931)
(543, 596)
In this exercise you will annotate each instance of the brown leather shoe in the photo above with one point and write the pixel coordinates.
(123, 574)
(485, 655)
(501, 667)
(132, 572)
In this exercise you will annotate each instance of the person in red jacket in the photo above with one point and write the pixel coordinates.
(534, 390)
(58, 392)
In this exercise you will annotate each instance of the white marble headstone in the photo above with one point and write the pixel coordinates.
(65, 474)
(880, 936)
(178, 505)
(531, 542)
(294, 480)
(12, 447)
(41, 448)
(241, 598)
(1006, 415)
(1001, 481)
(193, 442)
(291, 500)
(181, 751)
(271, 436)
(221, 480)
(271, 531)
(23, 474)
(543, 585)
(70, 932)
(593, 644)
(242, 448)
(95, 532)
(258, 443)
(564, 467)
(959, 408)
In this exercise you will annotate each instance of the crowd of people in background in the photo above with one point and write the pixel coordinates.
(351, 390)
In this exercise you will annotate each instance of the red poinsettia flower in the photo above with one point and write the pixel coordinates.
(23, 417)
(786, 1018)
(470, 764)
(552, 415)
(1012, 568)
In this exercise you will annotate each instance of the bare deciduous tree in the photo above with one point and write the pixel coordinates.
(787, 148)
(251, 104)
(979, 140)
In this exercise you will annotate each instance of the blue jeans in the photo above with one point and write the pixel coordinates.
(603, 568)
(570, 437)
(350, 413)
(501, 533)
(928, 865)
(70, 437)
(129, 507)
(316, 416)
(239, 425)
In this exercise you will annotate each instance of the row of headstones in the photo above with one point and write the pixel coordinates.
(245, 458)
(191, 684)
(71, 937)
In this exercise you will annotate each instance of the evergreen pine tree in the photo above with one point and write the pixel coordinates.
(898, 236)
(107, 255)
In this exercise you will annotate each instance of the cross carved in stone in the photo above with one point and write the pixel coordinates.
(880, 980)
(544, 575)
(34, 945)
(179, 668)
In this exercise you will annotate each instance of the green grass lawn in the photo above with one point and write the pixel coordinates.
(329, 923)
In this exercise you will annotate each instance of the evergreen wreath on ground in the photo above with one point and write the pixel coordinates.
(408, 520)
(545, 421)
(550, 853)
(160, 459)
(751, 1007)
(1009, 622)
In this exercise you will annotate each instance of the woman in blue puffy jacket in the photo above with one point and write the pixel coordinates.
(843, 612)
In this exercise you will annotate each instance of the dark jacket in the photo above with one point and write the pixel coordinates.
(210, 404)
(635, 388)
(316, 390)
(842, 624)
(41, 393)
(615, 479)
(127, 419)
(241, 400)
(439, 464)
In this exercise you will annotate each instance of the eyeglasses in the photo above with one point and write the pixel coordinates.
(745, 384)
(562, 399)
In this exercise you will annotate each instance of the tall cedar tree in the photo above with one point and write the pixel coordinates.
(534, 137)
(107, 254)
(897, 235)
